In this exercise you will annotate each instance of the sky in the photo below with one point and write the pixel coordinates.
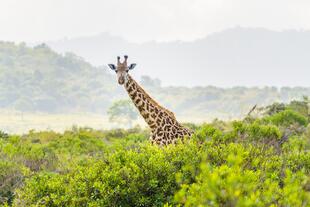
(145, 20)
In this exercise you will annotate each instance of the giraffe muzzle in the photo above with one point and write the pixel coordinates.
(121, 80)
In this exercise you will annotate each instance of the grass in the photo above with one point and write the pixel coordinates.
(16, 122)
(19, 123)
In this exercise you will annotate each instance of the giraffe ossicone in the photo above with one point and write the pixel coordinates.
(164, 126)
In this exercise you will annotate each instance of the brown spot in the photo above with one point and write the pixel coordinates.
(159, 129)
(140, 108)
(130, 90)
(138, 101)
(168, 121)
(161, 114)
(158, 121)
(145, 116)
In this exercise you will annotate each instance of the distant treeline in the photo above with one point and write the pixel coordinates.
(40, 80)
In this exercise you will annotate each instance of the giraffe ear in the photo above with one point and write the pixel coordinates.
(112, 66)
(132, 66)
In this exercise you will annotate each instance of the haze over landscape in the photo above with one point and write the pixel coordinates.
(184, 42)
(247, 57)
(201, 59)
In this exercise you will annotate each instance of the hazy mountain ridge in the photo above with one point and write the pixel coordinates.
(233, 57)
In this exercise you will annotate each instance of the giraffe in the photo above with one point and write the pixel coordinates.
(165, 129)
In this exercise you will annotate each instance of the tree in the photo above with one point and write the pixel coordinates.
(122, 112)
(301, 106)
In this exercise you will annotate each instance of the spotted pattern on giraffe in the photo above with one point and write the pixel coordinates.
(164, 126)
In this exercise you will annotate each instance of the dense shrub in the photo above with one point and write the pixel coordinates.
(233, 186)
(256, 132)
(275, 108)
(302, 107)
(3, 135)
(11, 177)
(143, 176)
(262, 161)
(213, 171)
(286, 118)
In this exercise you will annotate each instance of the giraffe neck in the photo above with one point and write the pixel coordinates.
(148, 107)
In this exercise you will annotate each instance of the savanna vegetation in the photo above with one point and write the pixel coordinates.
(261, 160)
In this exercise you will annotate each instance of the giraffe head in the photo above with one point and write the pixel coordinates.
(122, 69)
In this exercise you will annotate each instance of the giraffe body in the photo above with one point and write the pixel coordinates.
(164, 126)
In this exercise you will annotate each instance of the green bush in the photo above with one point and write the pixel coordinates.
(256, 132)
(212, 172)
(143, 176)
(3, 135)
(302, 107)
(287, 118)
(11, 177)
(233, 186)
(34, 156)
(252, 162)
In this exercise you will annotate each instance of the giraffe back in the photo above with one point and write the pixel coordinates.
(164, 126)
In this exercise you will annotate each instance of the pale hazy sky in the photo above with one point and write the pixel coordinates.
(143, 20)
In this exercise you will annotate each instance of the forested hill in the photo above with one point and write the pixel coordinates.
(40, 80)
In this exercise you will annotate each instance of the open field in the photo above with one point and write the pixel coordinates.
(18, 122)
(15, 122)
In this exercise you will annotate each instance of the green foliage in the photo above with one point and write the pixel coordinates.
(141, 176)
(208, 132)
(11, 177)
(3, 135)
(233, 186)
(78, 141)
(274, 108)
(287, 118)
(256, 132)
(251, 162)
(302, 107)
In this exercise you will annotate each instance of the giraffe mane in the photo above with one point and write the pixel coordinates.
(152, 100)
